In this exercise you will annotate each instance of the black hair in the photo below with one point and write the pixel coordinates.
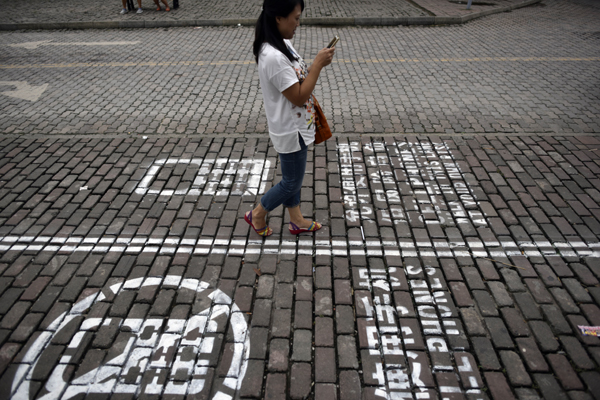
(266, 26)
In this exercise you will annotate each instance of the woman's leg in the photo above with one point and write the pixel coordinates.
(287, 191)
(297, 170)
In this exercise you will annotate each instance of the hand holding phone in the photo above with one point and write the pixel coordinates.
(333, 42)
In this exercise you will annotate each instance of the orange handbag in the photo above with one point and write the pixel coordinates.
(322, 131)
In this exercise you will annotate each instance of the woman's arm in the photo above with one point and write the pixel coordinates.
(299, 93)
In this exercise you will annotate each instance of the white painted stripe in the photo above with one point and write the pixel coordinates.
(305, 246)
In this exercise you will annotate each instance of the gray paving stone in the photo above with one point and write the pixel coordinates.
(498, 385)
(276, 386)
(485, 303)
(300, 380)
(549, 387)
(577, 291)
(278, 355)
(576, 352)
(591, 380)
(350, 388)
(302, 346)
(473, 321)
(527, 394)
(564, 372)
(325, 391)
(261, 312)
(565, 301)
(531, 354)
(346, 350)
(344, 317)
(501, 295)
(517, 374)
(499, 333)
(485, 354)
(556, 320)
(325, 365)
(282, 323)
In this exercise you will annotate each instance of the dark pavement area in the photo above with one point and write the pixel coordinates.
(460, 198)
(34, 14)
(534, 70)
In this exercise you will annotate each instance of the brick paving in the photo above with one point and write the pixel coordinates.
(81, 11)
(460, 251)
(126, 268)
(530, 71)
(207, 12)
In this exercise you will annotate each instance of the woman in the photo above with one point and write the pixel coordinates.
(287, 85)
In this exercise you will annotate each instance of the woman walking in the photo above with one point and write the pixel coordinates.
(287, 85)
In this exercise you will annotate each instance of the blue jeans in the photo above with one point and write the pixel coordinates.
(287, 191)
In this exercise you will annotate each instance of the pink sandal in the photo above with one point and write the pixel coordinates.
(266, 231)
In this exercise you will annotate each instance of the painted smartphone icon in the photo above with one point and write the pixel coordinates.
(333, 42)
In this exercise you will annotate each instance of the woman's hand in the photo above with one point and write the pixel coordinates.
(324, 57)
(298, 93)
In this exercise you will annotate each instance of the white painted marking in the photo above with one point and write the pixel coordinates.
(337, 247)
(24, 90)
(142, 355)
(250, 175)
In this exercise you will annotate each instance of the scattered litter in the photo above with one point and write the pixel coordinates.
(589, 330)
(144, 137)
(257, 270)
(83, 188)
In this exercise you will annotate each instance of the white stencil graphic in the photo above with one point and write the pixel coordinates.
(213, 177)
(152, 355)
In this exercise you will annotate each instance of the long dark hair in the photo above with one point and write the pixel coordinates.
(266, 26)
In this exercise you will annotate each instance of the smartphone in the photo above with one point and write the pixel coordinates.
(333, 42)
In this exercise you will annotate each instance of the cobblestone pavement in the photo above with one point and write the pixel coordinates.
(448, 267)
(532, 70)
(451, 265)
(28, 11)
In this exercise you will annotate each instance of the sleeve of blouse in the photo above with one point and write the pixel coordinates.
(280, 72)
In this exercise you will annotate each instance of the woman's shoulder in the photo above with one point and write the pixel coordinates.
(271, 55)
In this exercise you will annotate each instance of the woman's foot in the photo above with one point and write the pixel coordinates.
(265, 231)
(167, 9)
(305, 226)
(158, 9)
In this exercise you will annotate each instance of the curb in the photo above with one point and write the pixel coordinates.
(328, 21)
